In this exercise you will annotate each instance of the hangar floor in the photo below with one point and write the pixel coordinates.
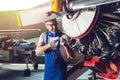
(15, 72)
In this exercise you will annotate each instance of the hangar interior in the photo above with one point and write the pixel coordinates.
(94, 37)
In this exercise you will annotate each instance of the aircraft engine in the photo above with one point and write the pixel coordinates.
(100, 40)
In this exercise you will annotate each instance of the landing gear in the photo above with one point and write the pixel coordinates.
(27, 72)
(35, 65)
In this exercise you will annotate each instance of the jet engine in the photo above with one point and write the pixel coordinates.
(97, 38)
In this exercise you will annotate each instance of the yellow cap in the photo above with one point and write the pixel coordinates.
(56, 5)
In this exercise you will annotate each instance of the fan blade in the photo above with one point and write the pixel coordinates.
(82, 25)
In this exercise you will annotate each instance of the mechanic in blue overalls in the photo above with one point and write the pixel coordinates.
(54, 45)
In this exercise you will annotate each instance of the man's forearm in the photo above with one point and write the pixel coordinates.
(69, 51)
(41, 49)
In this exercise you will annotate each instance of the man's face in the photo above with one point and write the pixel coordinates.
(51, 26)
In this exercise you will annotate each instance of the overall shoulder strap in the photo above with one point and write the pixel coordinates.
(46, 42)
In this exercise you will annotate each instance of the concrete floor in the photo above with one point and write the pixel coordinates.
(15, 72)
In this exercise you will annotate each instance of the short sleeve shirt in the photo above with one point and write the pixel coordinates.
(43, 37)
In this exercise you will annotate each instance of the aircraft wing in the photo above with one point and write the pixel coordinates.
(44, 11)
(36, 15)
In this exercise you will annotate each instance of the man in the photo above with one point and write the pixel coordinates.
(53, 44)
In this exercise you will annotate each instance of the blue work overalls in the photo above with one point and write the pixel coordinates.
(55, 66)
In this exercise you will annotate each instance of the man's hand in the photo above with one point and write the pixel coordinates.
(51, 44)
(68, 49)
